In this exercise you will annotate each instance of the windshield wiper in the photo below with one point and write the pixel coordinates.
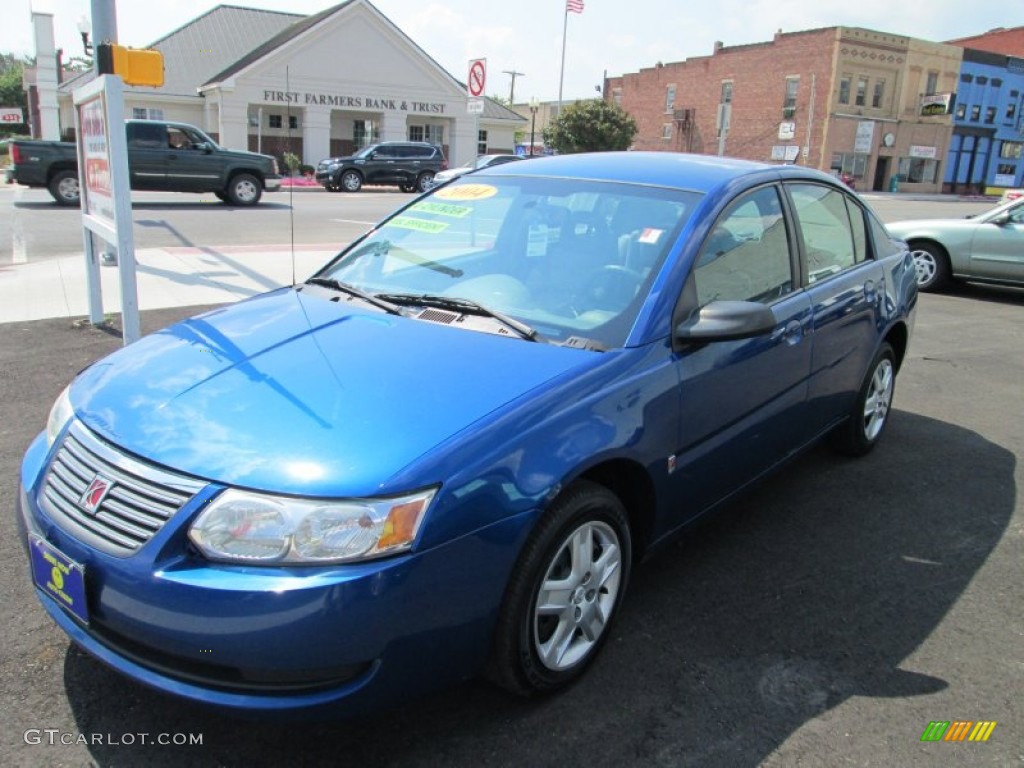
(461, 305)
(369, 298)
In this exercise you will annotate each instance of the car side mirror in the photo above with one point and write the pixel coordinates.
(1002, 219)
(726, 321)
(203, 146)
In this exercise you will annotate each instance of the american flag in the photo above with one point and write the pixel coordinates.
(574, 6)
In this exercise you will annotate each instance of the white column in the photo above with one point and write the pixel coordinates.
(46, 77)
(462, 145)
(392, 126)
(234, 123)
(316, 135)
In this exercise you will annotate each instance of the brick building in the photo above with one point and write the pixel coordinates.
(1009, 42)
(874, 105)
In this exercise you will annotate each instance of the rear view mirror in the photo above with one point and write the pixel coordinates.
(726, 321)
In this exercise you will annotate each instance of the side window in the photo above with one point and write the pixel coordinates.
(884, 245)
(147, 135)
(824, 222)
(857, 226)
(747, 255)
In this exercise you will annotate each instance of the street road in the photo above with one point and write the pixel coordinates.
(33, 228)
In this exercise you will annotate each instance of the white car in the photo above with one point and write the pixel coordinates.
(481, 162)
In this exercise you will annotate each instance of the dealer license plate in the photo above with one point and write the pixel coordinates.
(60, 577)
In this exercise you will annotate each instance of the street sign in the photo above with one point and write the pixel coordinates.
(11, 115)
(477, 80)
(475, 106)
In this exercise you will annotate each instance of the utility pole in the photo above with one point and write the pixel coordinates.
(512, 88)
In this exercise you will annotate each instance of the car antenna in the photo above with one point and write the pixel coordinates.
(291, 187)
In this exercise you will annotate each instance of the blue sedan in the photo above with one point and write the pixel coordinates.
(443, 454)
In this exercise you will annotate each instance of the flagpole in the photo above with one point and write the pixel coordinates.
(561, 74)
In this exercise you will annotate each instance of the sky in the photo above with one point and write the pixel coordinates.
(610, 36)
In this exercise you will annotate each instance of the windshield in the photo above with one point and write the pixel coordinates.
(567, 257)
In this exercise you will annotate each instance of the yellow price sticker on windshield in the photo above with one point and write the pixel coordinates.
(467, 192)
(419, 225)
(442, 209)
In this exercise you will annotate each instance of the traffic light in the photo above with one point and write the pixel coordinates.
(133, 65)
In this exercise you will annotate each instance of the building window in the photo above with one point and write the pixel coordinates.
(853, 163)
(844, 89)
(918, 170)
(617, 96)
(1011, 111)
(976, 113)
(997, 82)
(961, 111)
(142, 113)
(362, 133)
(990, 114)
(1011, 150)
(982, 80)
(879, 92)
(274, 121)
(415, 133)
(933, 83)
(726, 92)
(792, 84)
(862, 91)
(965, 78)
(481, 142)
(670, 98)
(1006, 169)
(434, 134)
(666, 131)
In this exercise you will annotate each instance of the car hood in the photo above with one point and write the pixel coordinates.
(292, 393)
(900, 228)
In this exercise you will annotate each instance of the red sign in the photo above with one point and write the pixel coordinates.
(477, 77)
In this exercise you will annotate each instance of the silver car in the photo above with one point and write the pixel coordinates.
(475, 165)
(986, 248)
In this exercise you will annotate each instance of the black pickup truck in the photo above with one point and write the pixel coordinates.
(162, 156)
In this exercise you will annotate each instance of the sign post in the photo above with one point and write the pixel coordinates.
(105, 195)
(476, 85)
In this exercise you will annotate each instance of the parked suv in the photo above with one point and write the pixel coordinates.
(409, 164)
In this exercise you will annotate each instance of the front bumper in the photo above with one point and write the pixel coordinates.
(257, 639)
(271, 183)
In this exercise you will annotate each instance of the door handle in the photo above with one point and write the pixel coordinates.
(792, 333)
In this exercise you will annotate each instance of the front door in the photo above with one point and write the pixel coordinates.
(737, 397)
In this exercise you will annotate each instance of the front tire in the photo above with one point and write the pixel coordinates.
(64, 188)
(351, 181)
(564, 592)
(244, 189)
(870, 413)
(931, 266)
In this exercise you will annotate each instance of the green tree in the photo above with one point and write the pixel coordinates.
(592, 125)
(11, 92)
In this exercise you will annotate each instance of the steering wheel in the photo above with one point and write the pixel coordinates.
(611, 288)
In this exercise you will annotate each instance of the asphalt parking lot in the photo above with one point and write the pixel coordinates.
(824, 619)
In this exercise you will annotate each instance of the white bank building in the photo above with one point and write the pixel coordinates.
(316, 86)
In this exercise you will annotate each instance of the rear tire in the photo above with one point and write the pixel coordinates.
(564, 592)
(244, 189)
(870, 413)
(423, 181)
(64, 188)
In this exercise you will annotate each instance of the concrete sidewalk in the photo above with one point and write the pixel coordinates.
(167, 277)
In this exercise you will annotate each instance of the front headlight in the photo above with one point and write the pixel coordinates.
(60, 414)
(243, 527)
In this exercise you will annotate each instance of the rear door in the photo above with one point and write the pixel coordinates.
(846, 286)
(740, 400)
(381, 165)
(148, 150)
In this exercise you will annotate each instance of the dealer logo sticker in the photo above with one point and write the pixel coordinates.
(94, 495)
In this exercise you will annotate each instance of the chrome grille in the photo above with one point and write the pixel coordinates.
(140, 499)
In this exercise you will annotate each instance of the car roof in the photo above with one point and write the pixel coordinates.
(699, 173)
